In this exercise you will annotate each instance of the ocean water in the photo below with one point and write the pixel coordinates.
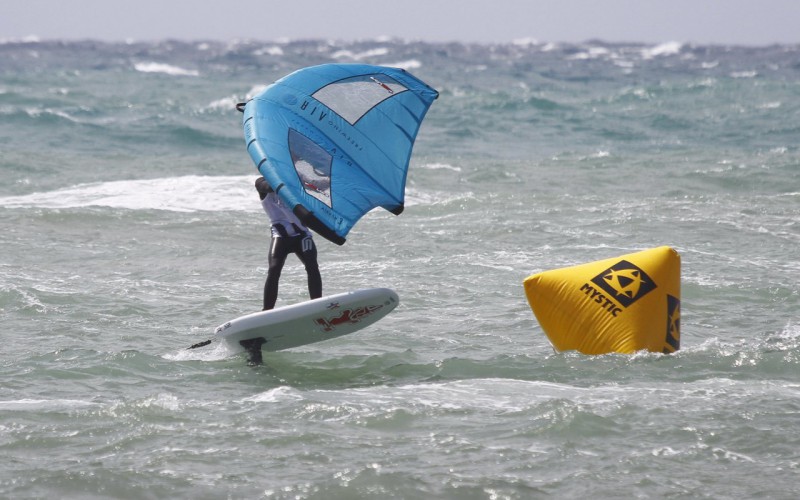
(130, 229)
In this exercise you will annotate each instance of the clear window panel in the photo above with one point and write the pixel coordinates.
(313, 166)
(352, 98)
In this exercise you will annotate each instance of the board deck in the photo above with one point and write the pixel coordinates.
(311, 321)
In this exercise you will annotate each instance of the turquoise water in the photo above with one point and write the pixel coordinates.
(130, 229)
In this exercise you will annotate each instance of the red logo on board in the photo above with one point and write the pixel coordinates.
(350, 316)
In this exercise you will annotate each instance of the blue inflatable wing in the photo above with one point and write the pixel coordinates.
(335, 141)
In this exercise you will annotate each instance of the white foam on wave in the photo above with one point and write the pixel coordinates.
(593, 53)
(224, 104)
(415, 196)
(664, 49)
(176, 194)
(162, 400)
(217, 352)
(24, 39)
(255, 90)
(525, 42)
(278, 394)
(168, 69)
(38, 405)
(357, 56)
(228, 103)
(272, 50)
(42, 112)
(500, 395)
(406, 65)
(440, 166)
(193, 193)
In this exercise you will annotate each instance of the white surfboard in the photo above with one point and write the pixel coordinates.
(311, 321)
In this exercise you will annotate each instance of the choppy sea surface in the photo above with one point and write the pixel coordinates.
(130, 229)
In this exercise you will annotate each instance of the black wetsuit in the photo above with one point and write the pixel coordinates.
(289, 236)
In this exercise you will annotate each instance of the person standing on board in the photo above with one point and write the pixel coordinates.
(289, 235)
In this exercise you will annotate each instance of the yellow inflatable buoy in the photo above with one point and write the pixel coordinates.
(624, 304)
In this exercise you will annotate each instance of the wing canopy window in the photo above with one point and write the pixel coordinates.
(352, 98)
(313, 166)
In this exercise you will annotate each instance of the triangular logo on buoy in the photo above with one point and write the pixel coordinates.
(625, 282)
